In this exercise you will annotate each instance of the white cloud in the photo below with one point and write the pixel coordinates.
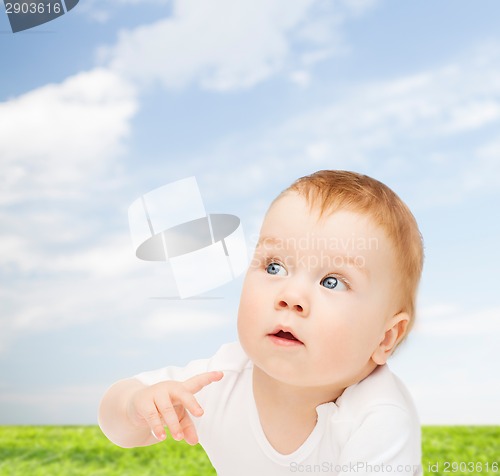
(447, 402)
(448, 361)
(112, 256)
(300, 78)
(472, 115)
(102, 11)
(59, 144)
(358, 7)
(46, 300)
(226, 45)
(448, 320)
(59, 136)
(181, 319)
(60, 404)
(431, 135)
(133, 2)
(63, 286)
(74, 394)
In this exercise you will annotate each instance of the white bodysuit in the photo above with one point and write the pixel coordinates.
(371, 429)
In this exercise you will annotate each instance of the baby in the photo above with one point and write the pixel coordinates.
(328, 296)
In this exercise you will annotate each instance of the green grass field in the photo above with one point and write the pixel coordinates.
(79, 451)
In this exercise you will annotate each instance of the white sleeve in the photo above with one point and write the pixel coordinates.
(230, 357)
(181, 374)
(386, 441)
(175, 373)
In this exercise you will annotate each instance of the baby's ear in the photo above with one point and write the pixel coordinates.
(395, 331)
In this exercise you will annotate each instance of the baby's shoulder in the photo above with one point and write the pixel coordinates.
(382, 389)
(376, 422)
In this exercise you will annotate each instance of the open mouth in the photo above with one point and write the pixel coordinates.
(285, 337)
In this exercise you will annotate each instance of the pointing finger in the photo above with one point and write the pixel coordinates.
(196, 383)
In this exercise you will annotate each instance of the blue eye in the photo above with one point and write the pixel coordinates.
(331, 282)
(276, 268)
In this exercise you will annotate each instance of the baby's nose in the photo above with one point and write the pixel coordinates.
(296, 307)
(292, 298)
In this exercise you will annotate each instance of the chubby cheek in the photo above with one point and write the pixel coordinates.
(248, 312)
(349, 340)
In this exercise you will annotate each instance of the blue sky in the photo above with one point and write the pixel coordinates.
(119, 97)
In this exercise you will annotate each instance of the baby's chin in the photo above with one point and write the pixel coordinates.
(295, 379)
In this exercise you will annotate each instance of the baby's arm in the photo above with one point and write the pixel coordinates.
(133, 414)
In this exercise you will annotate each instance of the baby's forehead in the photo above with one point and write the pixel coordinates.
(291, 224)
(292, 204)
(294, 209)
(342, 231)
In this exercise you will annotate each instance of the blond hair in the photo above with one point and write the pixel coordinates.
(332, 190)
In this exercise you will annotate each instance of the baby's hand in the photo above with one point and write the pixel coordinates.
(165, 404)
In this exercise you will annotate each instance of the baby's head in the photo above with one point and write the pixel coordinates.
(328, 191)
(332, 286)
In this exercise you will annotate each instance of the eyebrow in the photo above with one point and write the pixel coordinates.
(351, 260)
(269, 239)
(344, 259)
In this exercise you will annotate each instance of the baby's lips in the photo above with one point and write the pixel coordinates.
(285, 332)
